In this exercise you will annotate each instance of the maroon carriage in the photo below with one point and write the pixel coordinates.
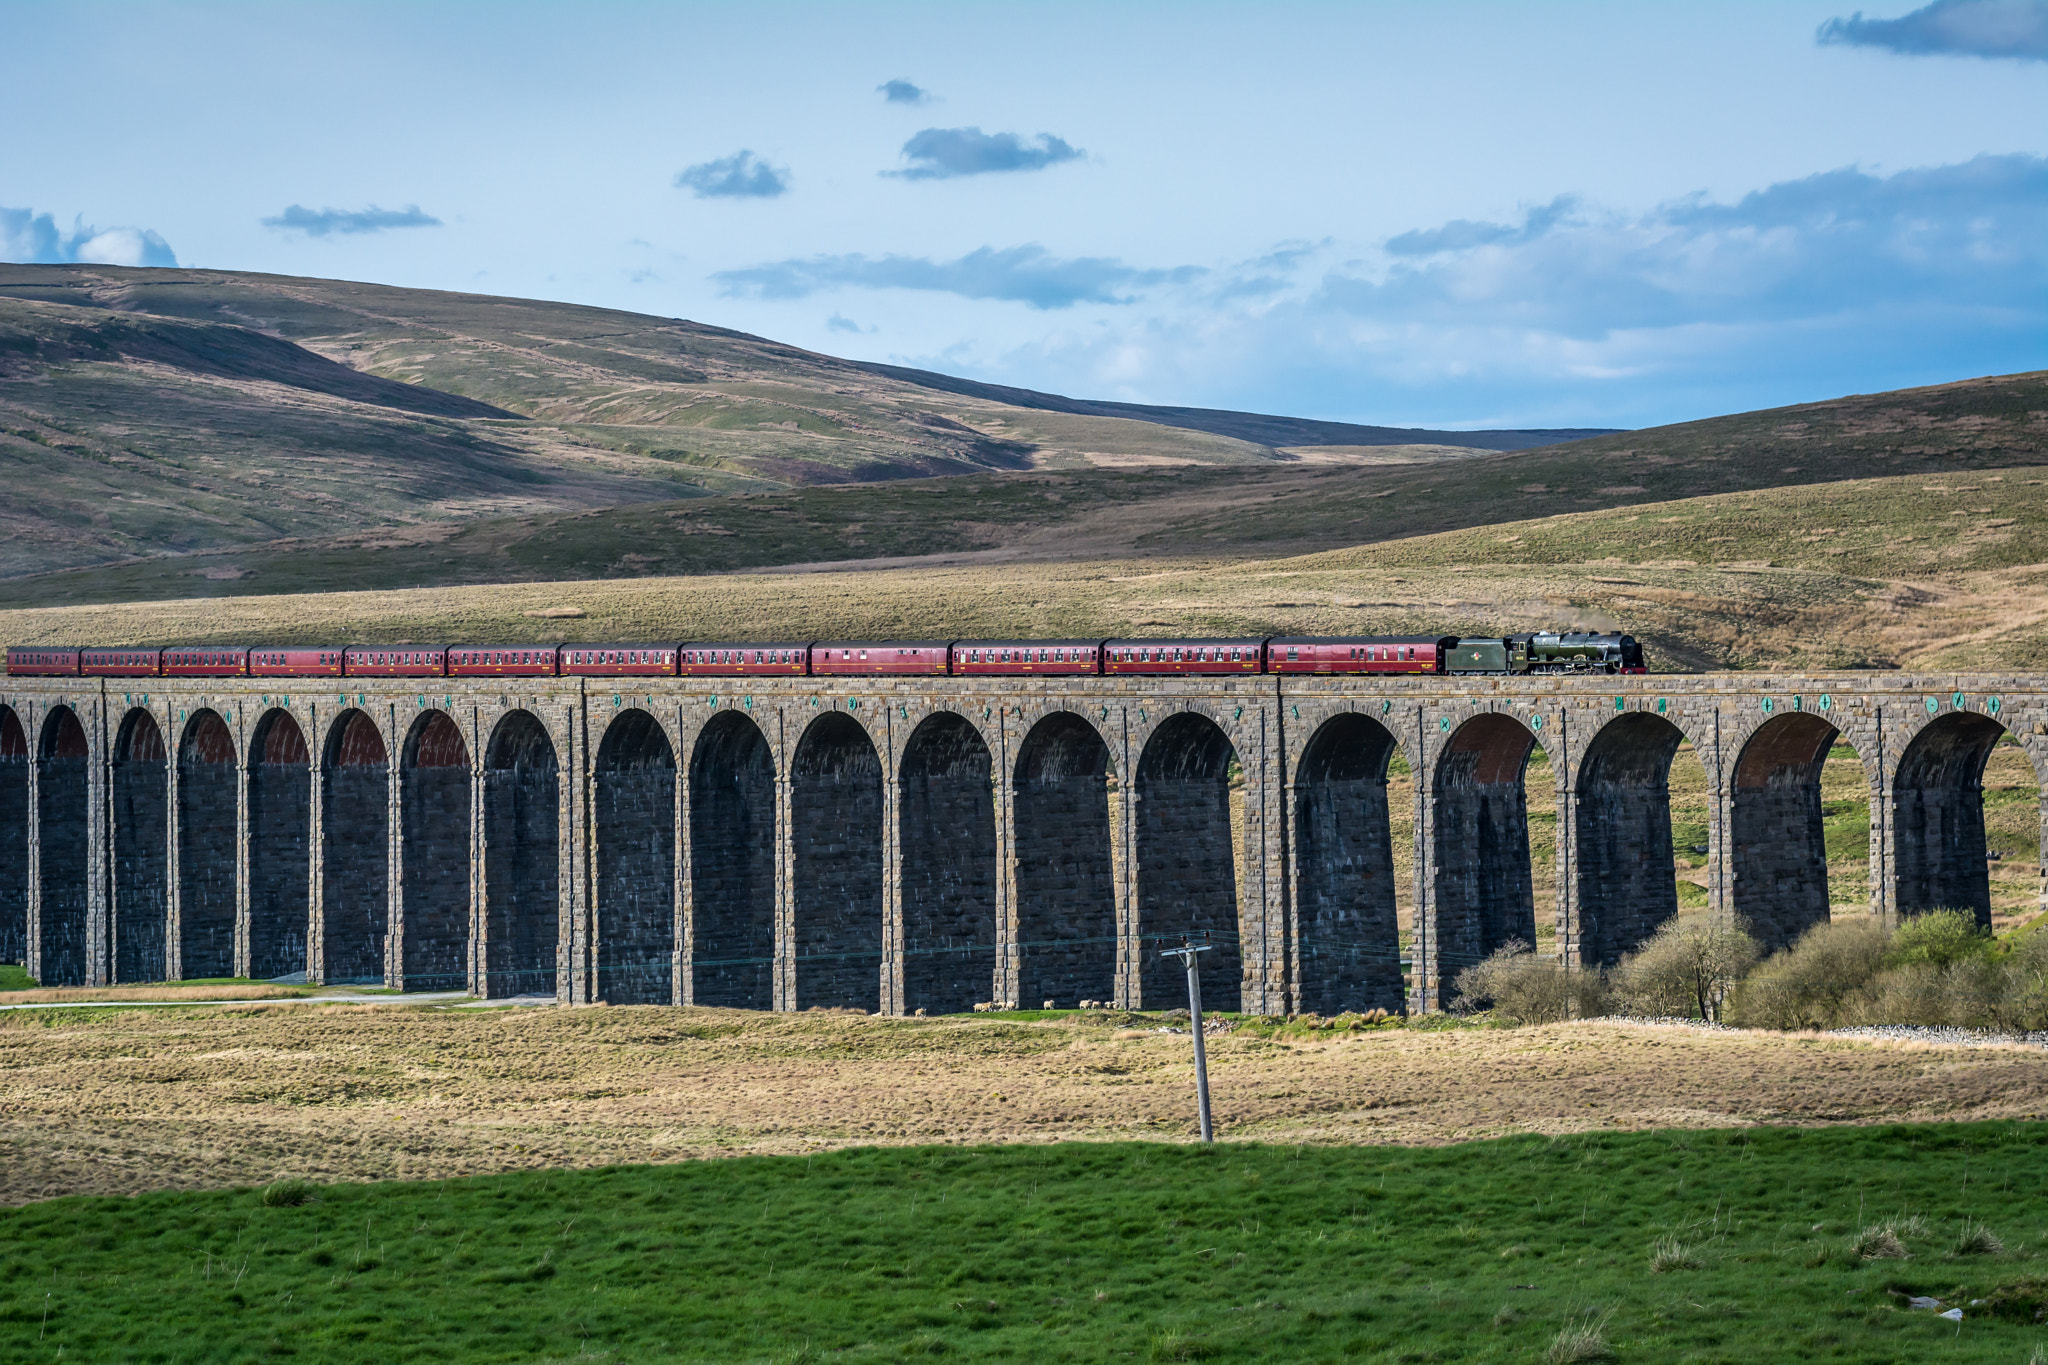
(619, 661)
(121, 663)
(295, 661)
(206, 661)
(1205, 657)
(884, 657)
(395, 661)
(771, 658)
(1068, 657)
(503, 661)
(1358, 653)
(38, 661)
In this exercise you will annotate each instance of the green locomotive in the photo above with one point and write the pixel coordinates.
(1546, 651)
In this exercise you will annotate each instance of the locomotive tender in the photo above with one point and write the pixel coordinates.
(1535, 652)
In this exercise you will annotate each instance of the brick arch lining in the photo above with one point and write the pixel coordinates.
(732, 864)
(1187, 865)
(636, 861)
(1065, 873)
(946, 822)
(836, 839)
(1347, 929)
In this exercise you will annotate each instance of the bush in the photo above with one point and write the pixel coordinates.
(1805, 986)
(1938, 938)
(1686, 968)
(289, 1194)
(1518, 985)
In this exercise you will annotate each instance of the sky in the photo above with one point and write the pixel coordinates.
(1452, 214)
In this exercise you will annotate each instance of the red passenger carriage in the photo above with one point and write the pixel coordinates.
(771, 658)
(619, 661)
(886, 657)
(206, 661)
(121, 663)
(503, 661)
(977, 657)
(37, 661)
(1358, 653)
(295, 661)
(395, 661)
(1202, 657)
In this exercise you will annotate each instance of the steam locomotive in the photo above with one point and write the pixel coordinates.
(1537, 652)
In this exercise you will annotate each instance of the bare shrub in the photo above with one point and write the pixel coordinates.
(1805, 986)
(1686, 968)
(1518, 985)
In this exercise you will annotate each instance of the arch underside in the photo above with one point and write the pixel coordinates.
(1348, 933)
(947, 820)
(635, 808)
(1938, 817)
(1187, 867)
(836, 842)
(63, 867)
(1777, 829)
(280, 833)
(522, 846)
(1066, 896)
(139, 787)
(1484, 890)
(1626, 884)
(732, 866)
(16, 773)
(355, 791)
(209, 817)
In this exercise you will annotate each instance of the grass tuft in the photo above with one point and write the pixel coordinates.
(1671, 1254)
(1582, 1338)
(289, 1194)
(1977, 1240)
(1880, 1242)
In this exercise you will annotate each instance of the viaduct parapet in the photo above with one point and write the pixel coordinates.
(897, 845)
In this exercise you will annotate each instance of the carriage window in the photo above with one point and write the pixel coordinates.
(1293, 653)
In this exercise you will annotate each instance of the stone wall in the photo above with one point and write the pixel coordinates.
(947, 823)
(836, 843)
(1938, 817)
(1626, 886)
(1066, 886)
(732, 865)
(1483, 890)
(434, 885)
(63, 798)
(140, 788)
(1779, 837)
(522, 803)
(1187, 871)
(1347, 934)
(356, 857)
(209, 823)
(16, 773)
(635, 809)
(280, 828)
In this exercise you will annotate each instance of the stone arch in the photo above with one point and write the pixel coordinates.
(139, 786)
(1937, 796)
(355, 861)
(15, 774)
(62, 802)
(1484, 892)
(1776, 841)
(522, 859)
(433, 878)
(836, 840)
(946, 819)
(1347, 931)
(732, 865)
(209, 822)
(636, 862)
(1066, 876)
(1187, 867)
(280, 863)
(1625, 878)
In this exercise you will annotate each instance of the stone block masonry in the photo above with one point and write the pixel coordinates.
(899, 845)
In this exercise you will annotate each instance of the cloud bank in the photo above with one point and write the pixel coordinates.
(1967, 28)
(1022, 274)
(739, 176)
(348, 222)
(947, 153)
(31, 238)
(903, 92)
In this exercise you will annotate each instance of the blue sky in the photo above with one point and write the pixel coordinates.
(1453, 214)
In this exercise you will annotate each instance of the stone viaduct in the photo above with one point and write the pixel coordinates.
(903, 844)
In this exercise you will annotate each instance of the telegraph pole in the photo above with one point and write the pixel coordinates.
(1190, 956)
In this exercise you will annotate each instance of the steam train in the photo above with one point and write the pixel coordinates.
(1536, 652)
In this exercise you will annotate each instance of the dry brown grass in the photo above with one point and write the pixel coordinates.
(73, 995)
(120, 1101)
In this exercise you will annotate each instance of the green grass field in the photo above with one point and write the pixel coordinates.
(1693, 1247)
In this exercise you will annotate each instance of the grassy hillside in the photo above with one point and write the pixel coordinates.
(1765, 1244)
(153, 411)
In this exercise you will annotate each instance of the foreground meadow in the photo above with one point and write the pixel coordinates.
(1767, 1244)
(123, 1100)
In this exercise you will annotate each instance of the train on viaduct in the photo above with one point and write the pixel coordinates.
(896, 844)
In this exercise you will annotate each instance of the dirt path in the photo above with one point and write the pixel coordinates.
(123, 1101)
